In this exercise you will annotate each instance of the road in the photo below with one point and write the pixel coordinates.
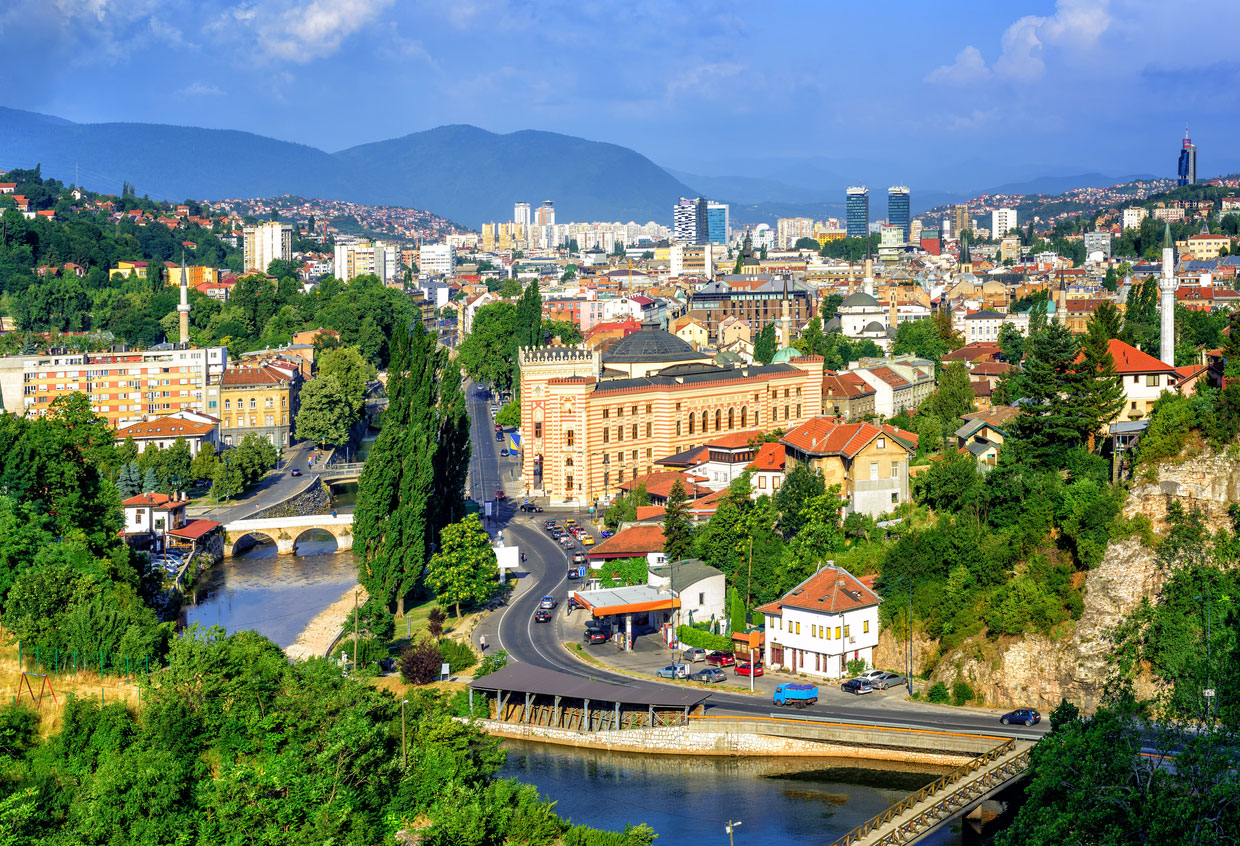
(278, 486)
(512, 628)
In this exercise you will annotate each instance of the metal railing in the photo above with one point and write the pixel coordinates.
(342, 469)
(948, 805)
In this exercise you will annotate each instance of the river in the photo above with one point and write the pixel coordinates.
(688, 800)
(274, 595)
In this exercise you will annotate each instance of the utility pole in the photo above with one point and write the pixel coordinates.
(355, 632)
(730, 828)
(404, 751)
(749, 581)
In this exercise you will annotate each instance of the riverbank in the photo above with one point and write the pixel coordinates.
(319, 634)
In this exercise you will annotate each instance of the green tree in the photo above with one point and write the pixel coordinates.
(677, 529)
(487, 352)
(1098, 390)
(1048, 426)
(921, 338)
(764, 347)
(1106, 322)
(204, 464)
(953, 398)
(464, 569)
(150, 481)
(1141, 320)
(352, 371)
(1011, 343)
(326, 412)
(229, 478)
(803, 484)
(510, 415)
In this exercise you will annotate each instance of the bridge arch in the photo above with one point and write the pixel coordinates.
(249, 540)
(324, 542)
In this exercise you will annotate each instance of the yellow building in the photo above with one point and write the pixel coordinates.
(136, 269)
(196, 275)
(260, 399)
(868, 462)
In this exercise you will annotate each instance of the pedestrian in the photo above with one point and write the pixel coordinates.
(482, 643)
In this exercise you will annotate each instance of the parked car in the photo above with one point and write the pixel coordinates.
(295, 472)
(750, 669)
(710, 675)
(542, 615)
(499, 436)
(605, 534)
(504, 452)
(1028, 716)
(721, 659)
(693, 654)
(673, 671)
(499, 428)
(595, 623)
(857, 686)
(886, 681)
(596, 635)
(796, 695)
(531, 508)
(547, 602)
(871, 675)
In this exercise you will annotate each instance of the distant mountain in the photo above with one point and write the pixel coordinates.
(1059, 184)
(461, 172)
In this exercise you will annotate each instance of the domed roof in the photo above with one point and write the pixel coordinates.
(874, 326)
(650, 345)
(860, 299)
(785, 355)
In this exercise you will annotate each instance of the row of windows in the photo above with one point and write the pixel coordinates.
(270, 420)
(823, 632)
(620, 411)
(269, 403)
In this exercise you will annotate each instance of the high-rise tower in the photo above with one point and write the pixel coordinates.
(898, 212)
(1187, 169)
(1167, 283)
(857, 212)
(183, 306)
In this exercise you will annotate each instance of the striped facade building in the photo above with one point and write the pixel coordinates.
(589, 422)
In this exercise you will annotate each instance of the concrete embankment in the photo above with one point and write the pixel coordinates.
(751, 738)
(320, 632)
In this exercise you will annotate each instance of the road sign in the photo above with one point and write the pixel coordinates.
(1208, 693)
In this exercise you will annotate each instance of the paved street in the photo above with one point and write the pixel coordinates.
(513, 629)
(276, 487)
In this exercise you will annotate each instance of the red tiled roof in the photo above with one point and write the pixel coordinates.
(889, 376)
(770, 457)
(194, 529)
(830, 590)
(735, 440)
(150, 500)
(990, 368)
(847, 384)
(646, 513)
(660, 484)
(164, 427)
(824, 436)
(264, 375)
(1129, 359)
(632, 542)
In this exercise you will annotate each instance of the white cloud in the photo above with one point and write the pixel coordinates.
(969, 67)
(301, 32)
(201, 89)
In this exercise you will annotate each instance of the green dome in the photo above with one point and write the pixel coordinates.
(785, 355)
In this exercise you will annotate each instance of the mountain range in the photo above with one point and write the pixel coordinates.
(461, 172)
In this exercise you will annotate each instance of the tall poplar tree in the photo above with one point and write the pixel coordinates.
(677, 532)
(453, 449)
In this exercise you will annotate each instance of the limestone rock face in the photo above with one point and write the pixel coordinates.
(1209, 481)
(1037, 671)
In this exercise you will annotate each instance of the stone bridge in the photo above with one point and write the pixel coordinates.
(287, 532)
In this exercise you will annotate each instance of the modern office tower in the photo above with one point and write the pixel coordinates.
(857, 212)
(717, 226)
(960, 220)
(265, 243)
(521, 213)
(1187, 169)
(437, 259)
(690, 221)
(1002, 221)
(546, 214)
(898, 213)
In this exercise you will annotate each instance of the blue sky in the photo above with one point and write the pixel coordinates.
(929, 90)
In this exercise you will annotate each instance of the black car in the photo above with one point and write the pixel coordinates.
(1028, 716)
(499, 436)
(596, 635)
(531, 507)
(542, 615)
(711, 675)
(857, 686)
(598, 625)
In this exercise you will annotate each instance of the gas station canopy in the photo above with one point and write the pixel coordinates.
(635, 599)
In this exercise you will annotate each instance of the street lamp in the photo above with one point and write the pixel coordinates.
(730, 828)
(908, 638)
(404, 753)
(1208, 693)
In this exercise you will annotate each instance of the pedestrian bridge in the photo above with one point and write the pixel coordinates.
(287, 532)
(342, 472)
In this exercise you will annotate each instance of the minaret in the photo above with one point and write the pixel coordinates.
(786, 319)
(867, 284)
(1167, 285)
(183, 307)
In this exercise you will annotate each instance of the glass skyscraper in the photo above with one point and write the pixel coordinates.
(898, 213)
(1187, 169)
(716, 223)
(857, 212)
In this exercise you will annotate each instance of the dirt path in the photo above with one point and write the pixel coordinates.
(322, 630)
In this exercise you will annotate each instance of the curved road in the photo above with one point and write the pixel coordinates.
(542, 644)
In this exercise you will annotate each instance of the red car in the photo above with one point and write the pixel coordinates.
(499, 495)
(749, 669)
(721, 659)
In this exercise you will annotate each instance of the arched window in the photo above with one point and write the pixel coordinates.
(568, 462)
(731, 418)
(705, 421)
(744, 414)
(691, 418)
(718, 420)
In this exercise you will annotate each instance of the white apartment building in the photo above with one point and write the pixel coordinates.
(1132, 217)
(437, 260)
(983, 326)
(359, 258)
(789, 230)
(1001, 222)
(521, 214)
(264, 243)
(826, 621)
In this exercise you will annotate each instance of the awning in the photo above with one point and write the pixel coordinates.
(526, 678)
(607, 602)
(194, 529)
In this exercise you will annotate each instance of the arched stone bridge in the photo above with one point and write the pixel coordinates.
(287, 532)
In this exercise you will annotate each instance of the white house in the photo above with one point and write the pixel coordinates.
(1144, 378)
(701, 589)
(826, 621)
(163, 432)
(768, 469)
(982, 326)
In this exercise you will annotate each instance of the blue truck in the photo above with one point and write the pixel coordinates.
(796, 695)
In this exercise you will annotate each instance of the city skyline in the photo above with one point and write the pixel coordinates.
(993, 89)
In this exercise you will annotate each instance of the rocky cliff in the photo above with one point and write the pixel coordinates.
(1209, 481)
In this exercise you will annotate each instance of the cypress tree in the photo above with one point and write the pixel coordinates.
(1051, 421)
(452, 455)
(677, 533)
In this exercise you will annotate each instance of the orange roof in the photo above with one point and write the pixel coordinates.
(164, 427)
(770, 457)
(633, 542)
(194, 529)
(262, 375)
(150, 500)
(831, 590)
(847, 384)
(735, 440)
(1129, 359)
(660, 484)
(645, 513)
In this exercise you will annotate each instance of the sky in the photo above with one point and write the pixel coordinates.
(929, 93)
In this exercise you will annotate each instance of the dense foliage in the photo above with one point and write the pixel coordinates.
(235, 745)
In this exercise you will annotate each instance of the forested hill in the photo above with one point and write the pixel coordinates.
(54, 276)
(461, 172)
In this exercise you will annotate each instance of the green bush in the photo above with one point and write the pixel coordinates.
(491, 663)
(367, 651)
(962, 692)
(457, 655)
(938, 693)
(689, 636)
(856, 667)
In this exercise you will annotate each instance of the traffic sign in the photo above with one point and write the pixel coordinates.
(1208, 693)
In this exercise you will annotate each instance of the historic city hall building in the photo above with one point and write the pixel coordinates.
(590, 421)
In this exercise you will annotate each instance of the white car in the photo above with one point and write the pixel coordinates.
(871, 675)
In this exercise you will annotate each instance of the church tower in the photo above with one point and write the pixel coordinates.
(966, 260)
(183, 307)
(1167, 285)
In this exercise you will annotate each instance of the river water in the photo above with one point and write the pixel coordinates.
(274, 595)
(687, 801)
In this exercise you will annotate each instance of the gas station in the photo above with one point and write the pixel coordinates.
(643, 604)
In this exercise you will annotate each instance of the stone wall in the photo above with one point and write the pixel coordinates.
(1209, 481)
(313, 500)
(1038, 671)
